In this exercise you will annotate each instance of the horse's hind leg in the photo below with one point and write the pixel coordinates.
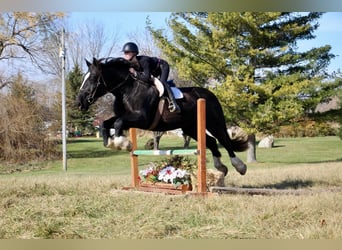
(212, 145)
(223, 138)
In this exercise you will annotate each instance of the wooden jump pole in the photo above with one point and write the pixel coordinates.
(201, 147)
(134, 158)
(200, 152)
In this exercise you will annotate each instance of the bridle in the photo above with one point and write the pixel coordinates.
(91, 98)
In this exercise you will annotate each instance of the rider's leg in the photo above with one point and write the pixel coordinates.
(173, 106)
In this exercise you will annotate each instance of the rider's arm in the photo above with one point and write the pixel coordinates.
(145, 74)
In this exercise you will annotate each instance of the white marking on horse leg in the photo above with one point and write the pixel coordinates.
(118, 142)
(110, 143)
(127, 145)
(122, 142)
(238, 165)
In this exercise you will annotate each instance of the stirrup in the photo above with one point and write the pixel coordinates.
(173, 107)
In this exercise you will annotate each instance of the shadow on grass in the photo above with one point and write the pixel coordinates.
(301, 162)
(177, 148)
(279, 146)
(82, 140)
(286, 184)
(327, 161)
(94, 154)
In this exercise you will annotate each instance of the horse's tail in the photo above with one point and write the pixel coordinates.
(239, 138)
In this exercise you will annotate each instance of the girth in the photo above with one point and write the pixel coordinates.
(158, 114)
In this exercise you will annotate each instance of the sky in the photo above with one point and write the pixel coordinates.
(125, 23)
(329, 31)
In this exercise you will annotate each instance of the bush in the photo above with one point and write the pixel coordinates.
(22, 131)
(307, 129)
(339, 132)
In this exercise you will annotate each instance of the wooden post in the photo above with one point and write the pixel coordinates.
(134, 158)
(201, 146)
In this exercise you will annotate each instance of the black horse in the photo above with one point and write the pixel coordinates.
(137, 105)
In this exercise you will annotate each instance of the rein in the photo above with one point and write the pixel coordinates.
(118, 85)
(91, 97)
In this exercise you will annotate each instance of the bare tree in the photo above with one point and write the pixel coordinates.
(22, 33)
(87, 40)
(90, 39)
(145, 43)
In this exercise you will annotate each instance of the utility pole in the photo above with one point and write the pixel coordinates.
(64, 135)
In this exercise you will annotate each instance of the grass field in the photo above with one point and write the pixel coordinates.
(87, 200)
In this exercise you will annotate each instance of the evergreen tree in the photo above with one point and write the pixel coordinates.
(77, 119)
(252, 63)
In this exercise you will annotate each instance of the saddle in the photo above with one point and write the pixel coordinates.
(162, 104)
(160, 87)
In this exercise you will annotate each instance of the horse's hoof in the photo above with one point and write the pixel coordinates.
(224, 170)
(220, 166)
(242, 170)
(128, 146)
(239, 165)
(122, 142)
(110, 144)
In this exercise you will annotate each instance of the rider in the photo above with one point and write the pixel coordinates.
(147, 66)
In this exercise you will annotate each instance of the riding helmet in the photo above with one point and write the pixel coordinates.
(130, 47)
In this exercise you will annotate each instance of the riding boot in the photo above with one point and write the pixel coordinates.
(173, 106)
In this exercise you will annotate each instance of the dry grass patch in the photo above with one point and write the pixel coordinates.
(320, 175)
(69, 207)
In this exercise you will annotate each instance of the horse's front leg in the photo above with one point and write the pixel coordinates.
(120, 141)
(106, 126)
(136, 120)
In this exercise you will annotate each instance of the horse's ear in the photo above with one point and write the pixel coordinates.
(87, 62)
(95, 62)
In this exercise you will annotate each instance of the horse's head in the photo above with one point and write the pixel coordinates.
(93, 85)
(104, 75)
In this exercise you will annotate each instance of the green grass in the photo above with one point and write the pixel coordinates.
(88, 156)
(302, 150)
(88, 202)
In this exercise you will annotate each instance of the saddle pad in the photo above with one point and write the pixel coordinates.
(159, 86)
(177, 93)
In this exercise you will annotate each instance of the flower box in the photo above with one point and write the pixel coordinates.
(164, 188)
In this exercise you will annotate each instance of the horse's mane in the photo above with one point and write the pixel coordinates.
(114, 61)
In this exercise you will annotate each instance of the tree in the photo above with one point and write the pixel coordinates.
(333, 110)
(90, 40)
(339, 116)
(77, 119)
(22, 36)
(252, 63)
(23, 131)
